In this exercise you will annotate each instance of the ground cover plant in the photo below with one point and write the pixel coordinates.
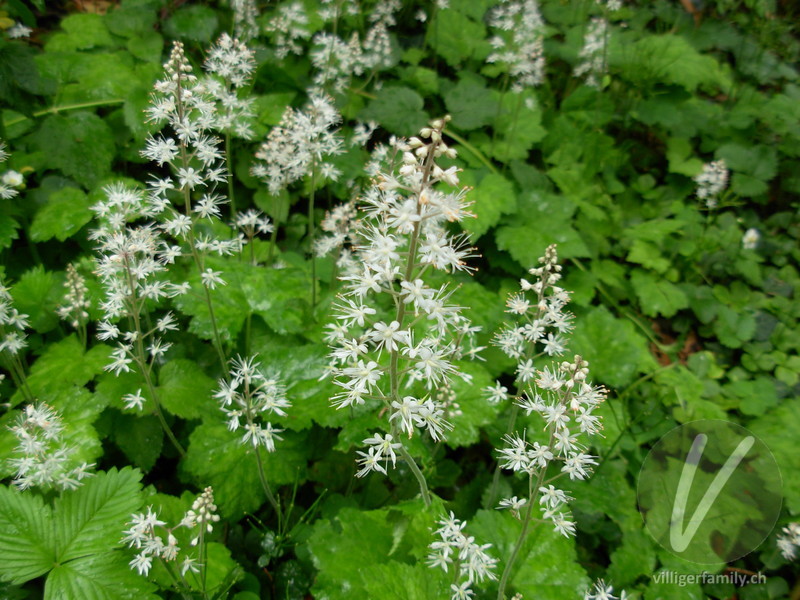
(382, 299)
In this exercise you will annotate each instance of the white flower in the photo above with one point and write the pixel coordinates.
(134, 400)
(13, 178)
(211, 279)
(750, 239)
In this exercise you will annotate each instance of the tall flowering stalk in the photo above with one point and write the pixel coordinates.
(519, 43)
(43, 459)
(559, 393)
(132, 263)
(297, 148)
(469, 560)
(13, 340)
(230, 65)
(196, 167)
(396, 338)
(250, 396)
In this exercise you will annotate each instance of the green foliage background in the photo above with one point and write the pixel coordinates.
(676, 318)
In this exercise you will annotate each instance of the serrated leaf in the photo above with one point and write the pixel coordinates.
(398, 109)
(140, 438)
(82, 31)
(89, 520)
(27, 546)
(615, 349)
(778, 429)
(458, 37)
(81, 145)
(401, 581)
(217, 457)
(667, 58)
(8, 229)
(546, 567)
(197, 23)
(339, 550)
(66, 363)
(186, 391)
(493, 197)
(734, 328)
(98, 577)
(278, 296)
(658, 296)
(66, 211)
(548, 220)
(471, 104)
(37, 294)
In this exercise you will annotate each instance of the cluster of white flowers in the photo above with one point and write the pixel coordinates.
(789, 541)
(474, 564)
(131, 264)
(250, 396)
(197, 164)
(341, 226)
(403, 234)
(231, 66)
(44, 459)
(559, 393)
(75, 309)
(337, 60)
(289, 27)
(750, 239)
(144, 535)
(18, 30)
(12, 324)
(245, 13)
(602, 591)
(593, 53)
(611, 5)
(298, 145)
(520, 45)
(711, 182)
(11, 181)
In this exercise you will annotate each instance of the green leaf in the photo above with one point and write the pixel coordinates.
(340, 548)
(658, 296)
(519, 127)
(648, 255)
(140, 438)
(457, 37)
(494, 197)
(681, 157)
(104, 576)
(217, 457)
(616, 351)
(37, 294)
(186, 391)
(82, 31)
(81, 145)
(471, 104)
(667, 58)
(89, 520)
(401, 581)
(546, 567)
(149, 46)
(398, 109)
(778, 429)
(66, 363)
(197, 23)
(734, 328)
(220, 569)
(548, 220)
(8, 229)
(27, 547)
(66, 211)
(278, 297)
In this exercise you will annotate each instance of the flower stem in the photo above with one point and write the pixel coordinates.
(268, 490)
(423, 485)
